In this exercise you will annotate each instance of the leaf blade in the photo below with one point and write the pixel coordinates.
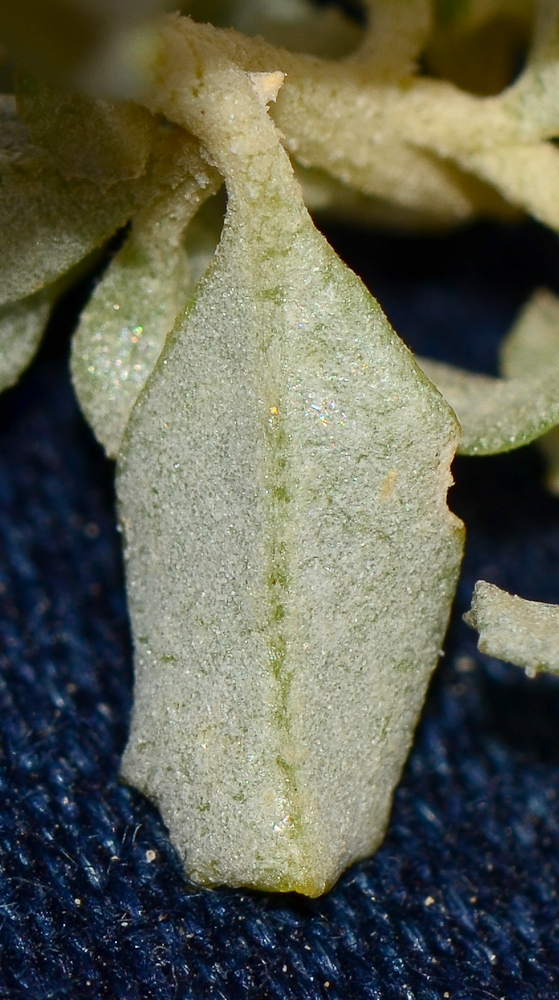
(510, 628)
(123, 327)
(21, 327)
(285, 626)
(501, 414)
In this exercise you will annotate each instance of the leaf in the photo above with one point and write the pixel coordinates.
(124, 325)
(531, 348)
(289, 554)
(21, 327)
(515, 630)
(532, 345)
(410, 209)
(499, 415)
(47, 224)
(414, 184)
(101, 141)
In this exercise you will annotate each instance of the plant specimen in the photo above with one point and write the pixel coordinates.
(282, 459)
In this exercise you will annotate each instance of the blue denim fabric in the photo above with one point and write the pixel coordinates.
(462, 900)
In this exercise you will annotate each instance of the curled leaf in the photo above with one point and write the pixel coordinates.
(515, 630)
(532, 347)
(496, 414)
(124, 325)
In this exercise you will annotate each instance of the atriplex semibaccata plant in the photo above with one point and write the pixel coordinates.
(283, 461)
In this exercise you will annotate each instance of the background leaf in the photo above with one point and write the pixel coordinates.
(124, 325)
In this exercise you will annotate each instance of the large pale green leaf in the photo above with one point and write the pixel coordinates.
(124, 325)
(513, 629)
(289, 554)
